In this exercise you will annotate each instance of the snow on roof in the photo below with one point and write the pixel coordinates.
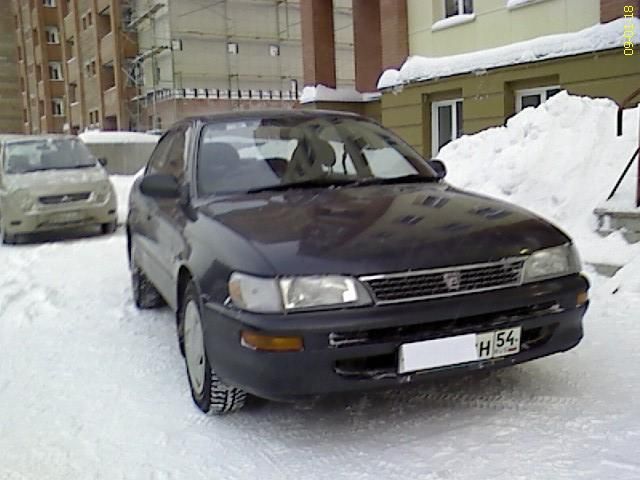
(592, 39)
(321, 93)
(117, 137)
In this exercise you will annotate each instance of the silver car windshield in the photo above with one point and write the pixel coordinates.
(46, 154)
(241, 156)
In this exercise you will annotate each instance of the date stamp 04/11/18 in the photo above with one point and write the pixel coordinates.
(629, 30)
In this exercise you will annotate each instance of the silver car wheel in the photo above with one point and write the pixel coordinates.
(194, 347)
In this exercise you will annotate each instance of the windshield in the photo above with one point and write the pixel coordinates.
(248, 155)
(46, 154)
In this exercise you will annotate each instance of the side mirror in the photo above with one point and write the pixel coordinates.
(103, 161)
(439, 167)
(160, 186)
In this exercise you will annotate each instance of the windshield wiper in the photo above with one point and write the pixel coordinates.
(412, 178)
(311, 183)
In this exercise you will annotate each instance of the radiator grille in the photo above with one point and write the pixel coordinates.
(65, 198)
(444, 282)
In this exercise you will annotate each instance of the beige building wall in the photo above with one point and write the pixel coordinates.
(494, 24)
(10, 98)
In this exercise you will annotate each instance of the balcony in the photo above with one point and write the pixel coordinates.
(58, 124)
(111, 102)
(69, 26)
(49, 16)
(73, 74)
(103, 6)
(75, 112)
(56, 89)
(107, 49)
(128, 47)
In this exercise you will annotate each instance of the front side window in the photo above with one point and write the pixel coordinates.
(241, 156)
(534, 97)
(46, 154)
(168, 156)
(457, 7)
(446, 123)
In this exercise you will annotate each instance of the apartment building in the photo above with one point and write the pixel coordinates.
(10, 102)
(73, 58)
(201, 57)
(487, 60)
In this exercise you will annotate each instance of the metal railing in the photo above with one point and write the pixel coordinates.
(625, 103)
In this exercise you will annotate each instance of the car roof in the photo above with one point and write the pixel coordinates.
(268, 114)
(27, 138)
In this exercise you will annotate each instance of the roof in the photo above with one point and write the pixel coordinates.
(29, 138)
(593, 39)
(116, 137)
(268, 114)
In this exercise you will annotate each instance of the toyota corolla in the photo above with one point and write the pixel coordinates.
(306, 253)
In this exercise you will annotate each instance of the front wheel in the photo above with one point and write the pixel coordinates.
(210, 394)
(145, 294)
(6, 238)
(108, 228)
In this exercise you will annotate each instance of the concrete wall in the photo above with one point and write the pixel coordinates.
(494, 24)
(123, 158)
(489, 99)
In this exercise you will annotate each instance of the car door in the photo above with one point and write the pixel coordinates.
(165, 218)
(143, 223)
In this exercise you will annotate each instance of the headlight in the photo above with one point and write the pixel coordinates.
(103, 191)
(295, 293)
(552, 262)
(23, 200)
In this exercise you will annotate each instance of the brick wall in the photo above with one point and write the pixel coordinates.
(612, 9)
(395, 33)
(318, 43)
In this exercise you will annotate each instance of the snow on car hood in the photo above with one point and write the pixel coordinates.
(55, 178)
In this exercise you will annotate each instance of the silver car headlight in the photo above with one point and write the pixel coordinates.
(103, 191)
(23, 200)
(552, 262)
(268, 295)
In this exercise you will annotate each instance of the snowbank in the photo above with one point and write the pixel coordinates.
(122, 185)
(320, 93)
(559, 160)
(117, 137)
(592, 39)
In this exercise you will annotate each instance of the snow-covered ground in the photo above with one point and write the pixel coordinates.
(91, 388)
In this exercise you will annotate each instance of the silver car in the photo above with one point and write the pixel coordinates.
(49, 183)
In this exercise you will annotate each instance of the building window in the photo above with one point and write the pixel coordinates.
(49, 3)
(55, 71)
(73, 92)
(57, 107)
(94, 117)
(90, 68)
(457, 7)
(446, 123)
(52, 35)
(274, 50)
(233, 48)
(533, 97)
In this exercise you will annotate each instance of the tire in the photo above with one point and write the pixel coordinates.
(5, 238)
(145, 295)
(210, 394)
(110, 227)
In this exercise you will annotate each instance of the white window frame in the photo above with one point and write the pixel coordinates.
(49, 3)
(55, 67)
(460, 9)
(542, 91)
(435, 127)
(57, 107)
(52, 35)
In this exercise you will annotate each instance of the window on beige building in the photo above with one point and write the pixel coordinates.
(57, 107)
(446, 123)
(533, 97)
(49, 3)
(55, 71)
(52, 34)
(457, 7)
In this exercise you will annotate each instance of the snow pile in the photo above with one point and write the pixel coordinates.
(453, 21)
(117, 137)
(320, 93)
(559, 160)
(592, 39)
(511, 4)
(122, 185)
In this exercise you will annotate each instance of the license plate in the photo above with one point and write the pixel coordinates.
(67, 217)
(459, 349)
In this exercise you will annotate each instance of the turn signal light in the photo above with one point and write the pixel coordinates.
(270, 343)
(583, 297)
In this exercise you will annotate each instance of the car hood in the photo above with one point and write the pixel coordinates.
(378, 229)
(55, 180)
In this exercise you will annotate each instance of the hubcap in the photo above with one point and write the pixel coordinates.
(194, 347)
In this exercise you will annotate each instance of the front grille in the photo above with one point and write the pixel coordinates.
(444, 282)
(65, 198)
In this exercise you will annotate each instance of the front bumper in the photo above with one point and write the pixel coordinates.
(60, 217)
(357, 349)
